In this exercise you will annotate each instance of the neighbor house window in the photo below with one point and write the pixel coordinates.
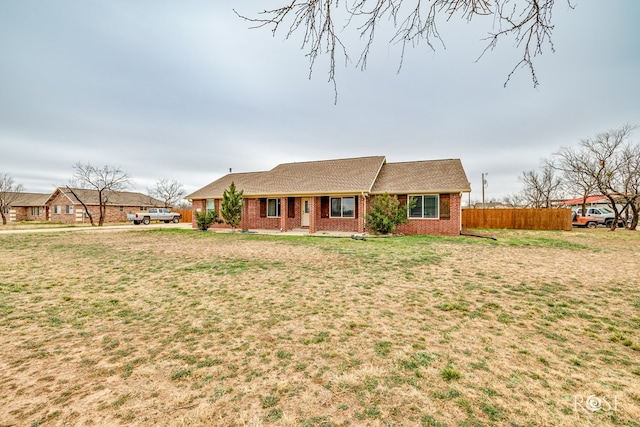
(68, 209)
(423, 206)
(121, 208)
(273, 208)
(57, 209)
(343, 207)
(143, 208)
(35, 210)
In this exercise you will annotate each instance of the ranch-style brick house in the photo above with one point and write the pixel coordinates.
(64, 205)
(28, 207)
(334, 195)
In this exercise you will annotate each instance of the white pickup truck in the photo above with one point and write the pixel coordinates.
(154, 214)
(604, 215)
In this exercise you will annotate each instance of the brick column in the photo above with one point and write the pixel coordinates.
(312, 214)
(362, 212)
(284, 213)
(244, 215)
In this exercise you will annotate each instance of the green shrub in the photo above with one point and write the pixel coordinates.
(205, 218)
(386, 214)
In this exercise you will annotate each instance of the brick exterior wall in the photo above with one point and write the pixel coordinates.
(355, 225)
(447, 227)
(24, 214)
(251, 218)
(112, 213)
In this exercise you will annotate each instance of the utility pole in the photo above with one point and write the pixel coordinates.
(484, 184)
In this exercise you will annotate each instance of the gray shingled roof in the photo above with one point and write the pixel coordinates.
(30, 199)
(248, 182)
(341, 176)
(115, 198)
(428, 176)
(344, 176)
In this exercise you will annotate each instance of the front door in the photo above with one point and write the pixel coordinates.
(305, 212)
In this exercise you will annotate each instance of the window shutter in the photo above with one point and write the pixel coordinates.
(445, 206)
(324, 207)
(402, 198)
(263, 208)
(355, 209)
(291, 207)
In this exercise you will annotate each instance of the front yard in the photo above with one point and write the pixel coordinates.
(182, 328)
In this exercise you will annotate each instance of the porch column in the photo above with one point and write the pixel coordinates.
(244, 215)
(312, 214)
(362, 212)
(284, 213)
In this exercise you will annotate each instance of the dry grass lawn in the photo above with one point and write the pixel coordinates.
(181, 328)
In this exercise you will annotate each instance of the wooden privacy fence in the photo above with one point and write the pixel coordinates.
(187, 214)
(517, 219)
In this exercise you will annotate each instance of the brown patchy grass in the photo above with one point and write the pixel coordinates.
(188, 329)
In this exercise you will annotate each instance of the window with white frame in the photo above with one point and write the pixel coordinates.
(35, 210)
(425, 206)
(273, 208)
(57, 209)
(210, 205)
(68, 209)
(343, 207)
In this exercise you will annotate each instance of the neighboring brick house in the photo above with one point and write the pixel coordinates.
(65, 207)
(28, 207)
(334, 195)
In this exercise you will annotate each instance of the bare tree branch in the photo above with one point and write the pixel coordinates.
(169, 191)
(527, 22)
(540, 188)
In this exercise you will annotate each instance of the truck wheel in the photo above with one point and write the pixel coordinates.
(136, 222)
(608, 223)
(592, 224)
(176, 219)
(146, 220)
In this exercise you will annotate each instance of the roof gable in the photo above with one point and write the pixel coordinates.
(427, 176)
(114, 198)
(355, 175)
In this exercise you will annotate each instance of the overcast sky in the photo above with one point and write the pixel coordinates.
(185, 90)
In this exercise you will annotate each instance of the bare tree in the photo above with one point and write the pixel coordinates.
(540, 188)
(526, 22)
(629, 181)
(169, 191)
(611, 166)
(575, 166)
(105, 181)
(9, 193)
